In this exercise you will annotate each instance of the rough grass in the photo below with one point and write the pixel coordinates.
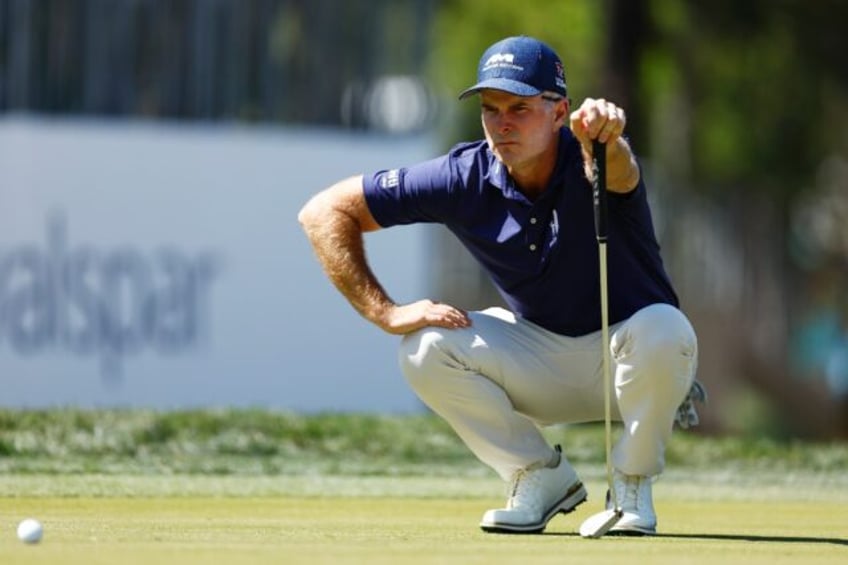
(221, 442)
(262, 442)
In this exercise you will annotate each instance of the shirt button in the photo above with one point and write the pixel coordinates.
(532, 220)
(532, 247)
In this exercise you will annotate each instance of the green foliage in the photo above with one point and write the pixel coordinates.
(262, 442)
(754, 76)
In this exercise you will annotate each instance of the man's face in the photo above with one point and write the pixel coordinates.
(520, 130)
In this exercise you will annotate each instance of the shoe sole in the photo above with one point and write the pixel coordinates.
(575, 496)
(631, 531)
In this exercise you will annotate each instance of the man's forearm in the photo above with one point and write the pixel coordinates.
(339, 246)
(622, 170)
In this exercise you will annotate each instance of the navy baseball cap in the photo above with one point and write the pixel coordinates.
(519, 65)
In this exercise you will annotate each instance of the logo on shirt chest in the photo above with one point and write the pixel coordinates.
(554, 228)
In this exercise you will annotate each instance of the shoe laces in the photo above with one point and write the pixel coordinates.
(630, 491)
(627, 490)
(525, 490)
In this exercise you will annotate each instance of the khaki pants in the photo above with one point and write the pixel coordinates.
(499, 380)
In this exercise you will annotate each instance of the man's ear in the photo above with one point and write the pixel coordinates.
(563, 114)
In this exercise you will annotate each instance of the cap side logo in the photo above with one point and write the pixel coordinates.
(560, 75)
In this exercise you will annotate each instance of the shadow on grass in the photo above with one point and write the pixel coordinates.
(746, 537)
(724, 537)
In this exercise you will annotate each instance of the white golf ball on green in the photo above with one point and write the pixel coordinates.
(30, 531)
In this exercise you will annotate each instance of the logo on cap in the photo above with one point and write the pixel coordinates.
(560, 74)
(500, 60)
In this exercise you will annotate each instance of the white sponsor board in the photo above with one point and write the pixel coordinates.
(159, 265)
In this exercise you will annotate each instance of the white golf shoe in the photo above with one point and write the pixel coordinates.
(637, 505)
(537, 494)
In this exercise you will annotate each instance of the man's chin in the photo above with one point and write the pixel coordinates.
(504, 155)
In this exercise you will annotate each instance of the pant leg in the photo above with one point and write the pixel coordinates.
(655, 353)
(494, 381)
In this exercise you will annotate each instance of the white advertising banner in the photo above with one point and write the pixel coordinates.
(160, 265)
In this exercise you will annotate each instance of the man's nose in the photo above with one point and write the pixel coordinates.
(503, 125)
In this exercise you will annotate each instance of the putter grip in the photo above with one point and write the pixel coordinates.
(599, 189)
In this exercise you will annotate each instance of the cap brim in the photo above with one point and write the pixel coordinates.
(505, 84)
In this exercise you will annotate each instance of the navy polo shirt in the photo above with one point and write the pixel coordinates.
(541, 255)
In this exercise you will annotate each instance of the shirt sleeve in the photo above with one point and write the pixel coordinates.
(632, 213)
(414, 194)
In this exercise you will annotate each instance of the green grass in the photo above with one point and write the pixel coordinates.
(251, 486)
(387, 528)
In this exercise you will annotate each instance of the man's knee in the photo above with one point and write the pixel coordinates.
(421, 356)
(658, 337)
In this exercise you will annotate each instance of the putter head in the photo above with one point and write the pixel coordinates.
(599, 524)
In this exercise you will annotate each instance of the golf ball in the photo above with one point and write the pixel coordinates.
(30, 531)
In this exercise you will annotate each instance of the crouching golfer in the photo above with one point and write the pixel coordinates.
(521, 203)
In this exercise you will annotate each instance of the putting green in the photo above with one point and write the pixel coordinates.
(140, 524)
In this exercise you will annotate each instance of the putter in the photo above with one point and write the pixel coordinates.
(599, 200)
